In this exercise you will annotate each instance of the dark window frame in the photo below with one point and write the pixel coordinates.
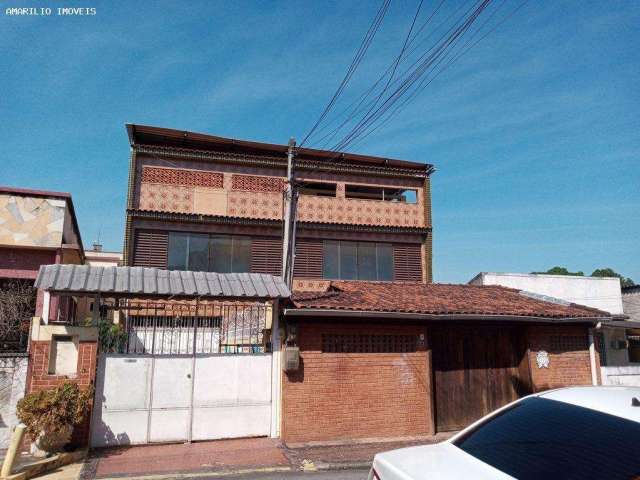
(210, 251)
(340, 244)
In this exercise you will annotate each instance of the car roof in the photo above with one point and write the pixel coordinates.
(613, 400)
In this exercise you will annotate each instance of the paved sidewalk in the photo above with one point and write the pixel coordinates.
(68, 472)
(229, 457)
(353, 455)
(215, 456)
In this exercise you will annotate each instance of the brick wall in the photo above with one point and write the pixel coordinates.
(38, 377)
(342, 396)
(569, 361)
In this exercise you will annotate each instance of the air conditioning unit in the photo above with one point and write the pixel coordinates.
(619, 344)
(291, 360)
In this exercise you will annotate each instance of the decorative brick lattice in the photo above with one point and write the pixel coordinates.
(252, 183)
(369, 343)
(189, 178)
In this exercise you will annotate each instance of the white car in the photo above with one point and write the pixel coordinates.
(570, 433)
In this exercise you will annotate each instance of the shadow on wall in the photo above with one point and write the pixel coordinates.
(521, 388)
(297, 376)
(101, 433)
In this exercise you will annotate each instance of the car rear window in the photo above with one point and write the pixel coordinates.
(547, 439)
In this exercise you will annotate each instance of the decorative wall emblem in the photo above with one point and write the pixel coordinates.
(542, 359)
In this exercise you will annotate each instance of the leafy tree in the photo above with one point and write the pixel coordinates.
(561, 271)
(610, 272)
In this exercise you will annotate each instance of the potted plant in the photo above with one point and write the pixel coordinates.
(50, 415)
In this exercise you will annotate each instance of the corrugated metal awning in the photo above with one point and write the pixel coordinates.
(154, 282)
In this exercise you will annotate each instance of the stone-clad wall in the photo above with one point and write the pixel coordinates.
(30, 221)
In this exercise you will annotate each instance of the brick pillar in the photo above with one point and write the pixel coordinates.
(39, 378)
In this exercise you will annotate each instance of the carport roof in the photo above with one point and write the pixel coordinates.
(154, 282)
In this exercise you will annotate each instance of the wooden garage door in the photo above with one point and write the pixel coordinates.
(476, 370)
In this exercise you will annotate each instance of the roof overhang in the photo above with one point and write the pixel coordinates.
(621, 324)
(155, 283)
(149, 135)
(362, 314)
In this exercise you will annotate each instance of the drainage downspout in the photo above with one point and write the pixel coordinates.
(592, 354)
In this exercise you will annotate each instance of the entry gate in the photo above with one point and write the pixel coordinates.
(180, 376)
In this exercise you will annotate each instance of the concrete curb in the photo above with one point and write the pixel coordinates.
(225, 473)
(322, 467)
(310, 467)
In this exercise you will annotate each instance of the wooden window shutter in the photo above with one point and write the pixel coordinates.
(407, 263)
(150, 249)
(308, 259)
(266, 256)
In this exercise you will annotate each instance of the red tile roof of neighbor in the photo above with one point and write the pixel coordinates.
(437, 299)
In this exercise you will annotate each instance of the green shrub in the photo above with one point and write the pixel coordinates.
(50, 411)
(113, 337)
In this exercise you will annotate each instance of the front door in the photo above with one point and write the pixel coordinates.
(476, 370)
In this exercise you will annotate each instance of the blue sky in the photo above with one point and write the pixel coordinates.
(535, 133)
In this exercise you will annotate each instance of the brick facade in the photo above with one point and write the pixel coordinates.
(38, 377)
(342, 396)
(347, 396)
(569, 361)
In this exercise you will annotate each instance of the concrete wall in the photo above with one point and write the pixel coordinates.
(13, 378)
(601, 293)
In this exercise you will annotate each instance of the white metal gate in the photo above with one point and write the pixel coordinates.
(157, 393)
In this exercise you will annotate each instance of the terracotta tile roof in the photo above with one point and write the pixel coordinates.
(437, 299)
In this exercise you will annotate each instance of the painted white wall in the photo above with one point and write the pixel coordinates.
(13, 378)
(601, 293)
(142, 398)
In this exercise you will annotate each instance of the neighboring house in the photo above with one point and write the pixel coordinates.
(620, 344)
(99, 258)
(597, 292)
(631, 307)
(199, 202)
(631, 302)
(36, 228)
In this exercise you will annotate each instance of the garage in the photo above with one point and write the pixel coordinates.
(476, 370)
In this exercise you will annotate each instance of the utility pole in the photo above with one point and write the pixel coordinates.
(290, 203)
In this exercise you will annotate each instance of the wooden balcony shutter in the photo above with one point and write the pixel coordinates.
(266, 256)
(308, 259)
(407, 263)
(150, 249)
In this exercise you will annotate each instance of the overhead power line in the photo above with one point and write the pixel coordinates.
(357, 59)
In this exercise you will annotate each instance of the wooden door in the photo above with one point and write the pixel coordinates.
(476, 370)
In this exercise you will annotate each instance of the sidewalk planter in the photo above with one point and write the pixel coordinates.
(51, 442)
(50, 416)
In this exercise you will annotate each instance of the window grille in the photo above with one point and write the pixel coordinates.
(353, 343)
(568, 343)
